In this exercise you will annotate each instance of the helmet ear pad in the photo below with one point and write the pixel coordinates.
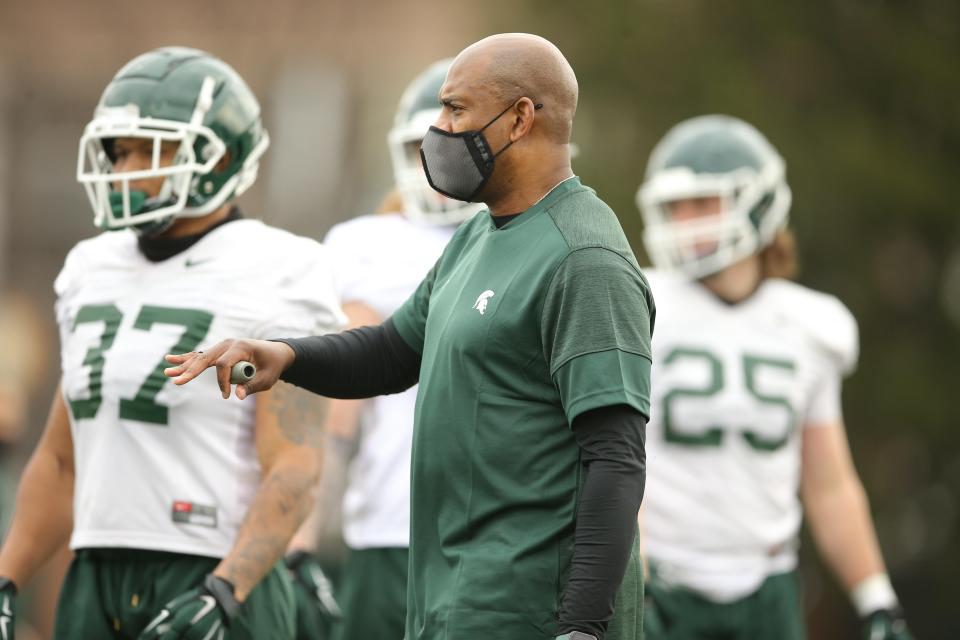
(225, 168)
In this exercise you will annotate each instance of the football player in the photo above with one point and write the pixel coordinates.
(379, 261)
(177, 507)
(747, 406)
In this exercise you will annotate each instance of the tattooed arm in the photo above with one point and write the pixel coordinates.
(289, 444)
(341, 427)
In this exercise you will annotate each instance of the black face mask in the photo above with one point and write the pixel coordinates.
(459, 164)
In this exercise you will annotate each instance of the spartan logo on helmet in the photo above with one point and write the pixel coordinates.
(705, 157)
(419, 108)
(172, 96)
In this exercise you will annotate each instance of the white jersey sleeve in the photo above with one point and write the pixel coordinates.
(69, 275)
(64, 285)
(352, 265)
(305, 295)
(834, 338)
(834, 329)
(375, 257)
(69, 280)
(82, 264)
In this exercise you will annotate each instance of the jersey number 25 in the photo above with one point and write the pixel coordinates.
(713, 436)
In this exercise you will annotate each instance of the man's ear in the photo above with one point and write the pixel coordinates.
(524, 115)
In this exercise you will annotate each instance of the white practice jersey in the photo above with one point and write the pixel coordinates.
(162, 467)
(379, 260)
(733, 386)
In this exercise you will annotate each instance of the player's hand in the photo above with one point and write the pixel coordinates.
(203, 613)
(8, 599)
(270, 358)
(312, 584)
(886, 624)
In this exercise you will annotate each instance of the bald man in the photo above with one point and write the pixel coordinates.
(530, 338)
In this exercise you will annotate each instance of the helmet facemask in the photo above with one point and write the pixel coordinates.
(712, 156)
(753, 207)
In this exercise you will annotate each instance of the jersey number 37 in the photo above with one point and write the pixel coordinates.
(143, 406)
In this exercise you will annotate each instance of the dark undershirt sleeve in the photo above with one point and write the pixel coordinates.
(359, 363)
(612, 444)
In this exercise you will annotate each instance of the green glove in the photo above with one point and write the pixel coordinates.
(576, 635)
(313, 590)
(8, 598)
(886, 624)
(203, 613)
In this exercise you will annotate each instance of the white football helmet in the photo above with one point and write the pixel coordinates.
(721, 156)
(172, 95)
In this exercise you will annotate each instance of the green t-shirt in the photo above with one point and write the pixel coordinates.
(521, 329)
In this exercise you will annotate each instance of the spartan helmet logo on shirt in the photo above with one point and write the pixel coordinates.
(481, 303)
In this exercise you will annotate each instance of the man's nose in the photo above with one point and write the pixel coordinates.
(131, 162)
(444, 122)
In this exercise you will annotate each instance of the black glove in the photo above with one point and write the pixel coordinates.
(8, 599)
(886, 624)
(576, 635)
(201, 613)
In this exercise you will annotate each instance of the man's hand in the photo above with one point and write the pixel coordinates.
(8, 598)
(311, 583)
(270, 358)
(203, 613)
(886, 624)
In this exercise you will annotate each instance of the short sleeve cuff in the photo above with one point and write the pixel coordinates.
(825, 407)
(407, 329)
(604, 379)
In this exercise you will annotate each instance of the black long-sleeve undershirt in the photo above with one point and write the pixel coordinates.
(372, 361)
(358, 363)
(612, 450)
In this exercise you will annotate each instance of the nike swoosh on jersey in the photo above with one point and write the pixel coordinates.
(194, 263)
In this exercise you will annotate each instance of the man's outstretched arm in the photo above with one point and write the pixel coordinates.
(359, 363)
